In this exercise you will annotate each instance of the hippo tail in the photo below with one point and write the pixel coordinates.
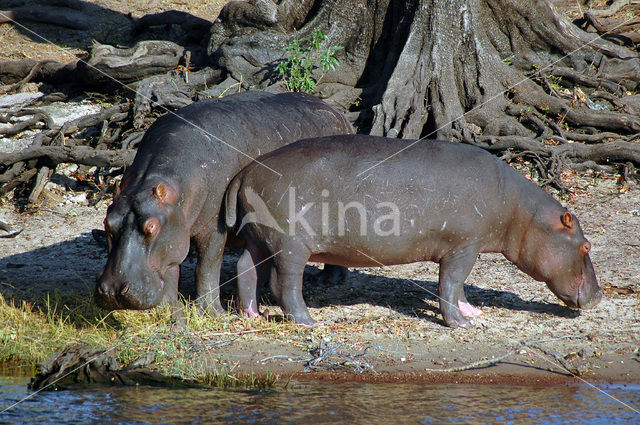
(230, 202)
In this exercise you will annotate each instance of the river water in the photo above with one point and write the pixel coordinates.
(324, 403)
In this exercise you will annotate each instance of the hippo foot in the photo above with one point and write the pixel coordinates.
(468, 310)
(210, 310)
(302, 320)
(315, 324)
(458, 321)
(248, 311)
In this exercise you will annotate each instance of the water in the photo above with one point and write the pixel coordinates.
(324, 403)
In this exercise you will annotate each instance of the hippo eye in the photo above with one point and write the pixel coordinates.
(585, 248)
(150, 227)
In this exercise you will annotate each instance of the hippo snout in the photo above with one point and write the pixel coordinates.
(108, 294)
(586, 301)
(118, 295)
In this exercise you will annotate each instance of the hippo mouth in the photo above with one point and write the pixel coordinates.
(587, 301)
(582, 298)
(128, 298)
(120, 302)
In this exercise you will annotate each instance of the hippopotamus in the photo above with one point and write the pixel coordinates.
(362, 201)
(172, 193)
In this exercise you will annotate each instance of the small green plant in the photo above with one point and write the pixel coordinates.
(305, 55)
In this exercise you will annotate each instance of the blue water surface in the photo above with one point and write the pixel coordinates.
(325, 403)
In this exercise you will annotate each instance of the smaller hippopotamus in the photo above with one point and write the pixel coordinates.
(362, 201)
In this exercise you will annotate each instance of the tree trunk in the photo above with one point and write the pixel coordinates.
(466, 70)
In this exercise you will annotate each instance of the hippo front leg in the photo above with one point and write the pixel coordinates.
(454, 270)
(170, 295)
(208, 274)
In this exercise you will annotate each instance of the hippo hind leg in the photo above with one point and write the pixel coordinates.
(286, 287)
(466, 308)
(454, 269)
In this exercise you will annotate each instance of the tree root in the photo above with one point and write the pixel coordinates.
(34, 70)
(72, 154)
(69, 18)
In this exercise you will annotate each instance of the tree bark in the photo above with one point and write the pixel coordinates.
(453, 70)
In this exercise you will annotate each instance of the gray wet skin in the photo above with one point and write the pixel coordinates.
(453, 202)
(172, 193)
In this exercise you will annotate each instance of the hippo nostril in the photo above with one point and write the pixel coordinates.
(125, 288)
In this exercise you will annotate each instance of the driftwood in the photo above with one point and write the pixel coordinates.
(124, 65)
(80, 364)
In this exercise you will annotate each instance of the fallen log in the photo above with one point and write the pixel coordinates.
(82, 155)
(63, 17)
(80, 364)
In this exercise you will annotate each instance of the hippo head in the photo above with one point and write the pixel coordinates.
(147, 237)
(555, 251)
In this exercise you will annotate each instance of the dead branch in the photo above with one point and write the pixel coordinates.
(80, 364)
(41, 180)
(188, 22)
(615, 7)
(37, 116)
(11, 233)
(114, 113)
(69, 18)
(72, 154)
(49, 72)
(34, 70)
(474, 365)
(109, 64)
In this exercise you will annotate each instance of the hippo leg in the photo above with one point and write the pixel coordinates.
(208, 273)
(286, 286)
(252, 273)
(333, 275)
(465, 307)
(454, 270)
(170, 295)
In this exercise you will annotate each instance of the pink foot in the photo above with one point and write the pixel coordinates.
(468, 310)
(248, 312)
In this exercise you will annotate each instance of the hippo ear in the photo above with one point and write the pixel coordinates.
(567, 220)
(164, 193)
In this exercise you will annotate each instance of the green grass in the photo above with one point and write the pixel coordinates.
(31, 331)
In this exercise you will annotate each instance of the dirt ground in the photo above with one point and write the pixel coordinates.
(382, 320)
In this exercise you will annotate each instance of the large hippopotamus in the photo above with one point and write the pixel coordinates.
(172, 193)
(362, 201)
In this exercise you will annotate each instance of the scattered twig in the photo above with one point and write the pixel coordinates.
(11, 233)
(474, 365)
(557, 356)
(284, 356)
(41, 180)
